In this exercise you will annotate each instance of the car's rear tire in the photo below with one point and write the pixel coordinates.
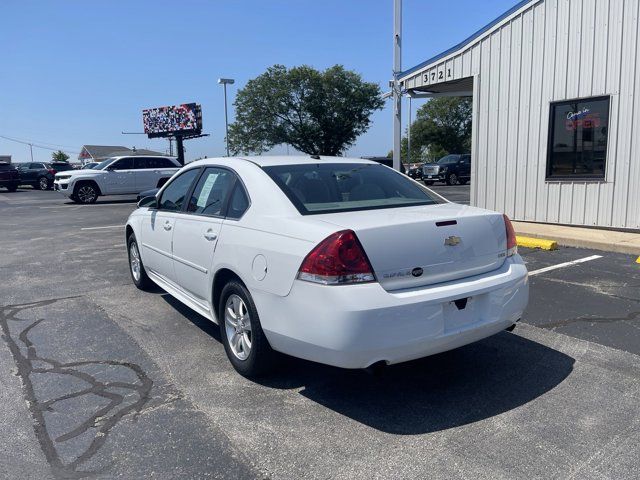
(85, 193)
(136, 267)
(244, 341)
(43, 183)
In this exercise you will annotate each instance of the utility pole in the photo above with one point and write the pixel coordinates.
(31, 148)
(397, 95)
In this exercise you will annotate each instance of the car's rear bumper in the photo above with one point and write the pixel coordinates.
(359, 325)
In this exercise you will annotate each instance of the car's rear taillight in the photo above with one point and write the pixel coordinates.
(338, 260)
(512, 244)
(52, 171)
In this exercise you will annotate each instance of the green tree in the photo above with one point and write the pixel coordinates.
(59, 156)
(442, 125)
(318, 113)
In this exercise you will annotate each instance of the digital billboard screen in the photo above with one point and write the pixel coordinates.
(184, 119)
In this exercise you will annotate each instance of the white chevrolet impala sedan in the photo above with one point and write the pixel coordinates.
(336, 260)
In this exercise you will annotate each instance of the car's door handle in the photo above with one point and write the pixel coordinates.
(209, 235)
(167, 226)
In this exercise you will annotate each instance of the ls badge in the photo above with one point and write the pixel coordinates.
(452, 241)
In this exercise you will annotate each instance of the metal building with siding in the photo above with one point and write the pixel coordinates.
(556, 89)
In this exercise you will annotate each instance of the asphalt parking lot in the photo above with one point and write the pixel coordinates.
(101, 380)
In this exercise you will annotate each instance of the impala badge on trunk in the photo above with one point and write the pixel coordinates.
(452, 241)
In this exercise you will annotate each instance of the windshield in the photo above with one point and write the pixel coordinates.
(103, 164)
(449, 159)
(339, 187)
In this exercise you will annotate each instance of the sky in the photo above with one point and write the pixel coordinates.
(75, 72)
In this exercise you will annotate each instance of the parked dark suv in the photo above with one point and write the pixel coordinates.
(9, 177)
(453, 169)
(40, 175)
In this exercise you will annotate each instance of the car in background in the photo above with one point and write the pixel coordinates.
(116, 176)
(453, 169)
(41, 174)
(36, 174)
(9, 177)
(415, 172)
(89, 166)
(336, 260)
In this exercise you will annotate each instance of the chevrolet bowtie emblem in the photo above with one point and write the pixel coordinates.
(452, 241)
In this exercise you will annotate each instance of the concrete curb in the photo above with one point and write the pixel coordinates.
(596, 239)
(542, 243)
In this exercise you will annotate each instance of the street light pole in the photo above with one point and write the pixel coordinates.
(31, 148)
(397, 94)
(224, 82)
(409, 134)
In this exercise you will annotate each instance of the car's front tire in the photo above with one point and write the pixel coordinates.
(136, 267)
(452, 179)
(85, 193)
(244, 341)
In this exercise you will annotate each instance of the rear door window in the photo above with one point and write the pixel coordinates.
(160, 162)
(338, 187)
(211, 192)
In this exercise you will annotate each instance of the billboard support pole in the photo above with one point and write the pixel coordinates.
(180, 149)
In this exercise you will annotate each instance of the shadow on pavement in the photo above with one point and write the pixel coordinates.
(436, 393)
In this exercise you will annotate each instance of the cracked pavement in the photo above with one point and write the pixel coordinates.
(101, 380)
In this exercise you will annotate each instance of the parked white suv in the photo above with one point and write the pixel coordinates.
(116, 176)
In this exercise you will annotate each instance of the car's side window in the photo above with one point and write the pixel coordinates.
(140, 163)
(161, 163)
(174, 194)
(123, 164)
(211, 191)
(238, 203)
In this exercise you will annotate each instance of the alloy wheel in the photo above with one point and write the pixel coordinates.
(238, 326)
(43, 183)
(134, 261)
(86, 194)
(453, 178)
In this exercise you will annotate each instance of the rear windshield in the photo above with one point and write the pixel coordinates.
(341, 187)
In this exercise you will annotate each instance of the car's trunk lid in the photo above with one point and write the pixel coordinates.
(417, 246)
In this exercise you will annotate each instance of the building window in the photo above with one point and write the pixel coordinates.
(578, 139)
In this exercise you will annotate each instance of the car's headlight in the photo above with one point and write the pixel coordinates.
(63, 177)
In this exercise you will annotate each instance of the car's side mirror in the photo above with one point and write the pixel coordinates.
(148, 202)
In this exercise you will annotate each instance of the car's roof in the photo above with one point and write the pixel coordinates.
(140, 156)
(271, 160)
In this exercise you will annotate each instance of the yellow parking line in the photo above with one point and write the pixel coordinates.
(638, 260)
(529, 242)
